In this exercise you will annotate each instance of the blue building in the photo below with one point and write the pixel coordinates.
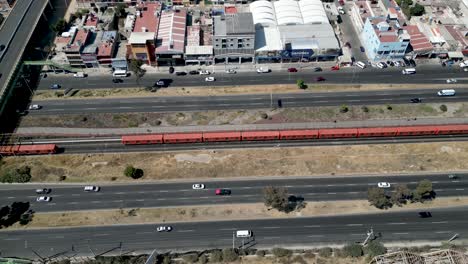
(384, 38)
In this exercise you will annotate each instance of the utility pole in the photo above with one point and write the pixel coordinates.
(370, 234)
(453, 238)
(233, 239)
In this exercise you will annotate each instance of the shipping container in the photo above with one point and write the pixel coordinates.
(260, 135)
(299, 134)
(142, 139)
(221, 136)
(452, 129)
(416, 130)
(183, 138)
(377, 132)
(338, 133)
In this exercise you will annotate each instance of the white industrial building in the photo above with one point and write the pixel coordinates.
(293, 30)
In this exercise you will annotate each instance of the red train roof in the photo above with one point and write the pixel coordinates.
(142, 137)
(417, 129)
(304, 132)
(260, 134)
(182, 136)
(332, 131)
(221, 134)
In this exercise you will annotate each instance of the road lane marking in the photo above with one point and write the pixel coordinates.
(75, 194)
(440, 222)
(117, 201)
(184, 231)
(11, 239)
(58, 237)
(72, 203)
(443, 232)
(274, 237)
(161, 199)
(396, 223)
(331, 193)
(91, 108)
(354, 225)
(125, 107)
(11, 197)
(143, 233)
(353, 192)
(96, 202)
(400, 233)
(315, 236)
(164, 191)
(246, 188)
(227, 229)
(312, 226)
(459, 189)
(120, 193)
(357, 234)
(98, 235)
(140, 200)
(271, 227)
(51, 204)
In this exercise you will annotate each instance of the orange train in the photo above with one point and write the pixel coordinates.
(263, 135)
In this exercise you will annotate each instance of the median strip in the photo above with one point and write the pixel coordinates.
(219, 213)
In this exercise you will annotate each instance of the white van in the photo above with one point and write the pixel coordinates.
(243, 233)
(446, 92)
(79, 75)
(361, 64)
(409, 71)
(120, 73)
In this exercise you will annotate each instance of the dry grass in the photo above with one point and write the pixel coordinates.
(226, 163)
(218, 213)
(227, 90)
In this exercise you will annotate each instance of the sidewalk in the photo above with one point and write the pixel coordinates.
(60, 131)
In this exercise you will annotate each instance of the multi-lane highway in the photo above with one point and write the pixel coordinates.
(67, 198)
(402, 226)
(200, 103)
(426, 75)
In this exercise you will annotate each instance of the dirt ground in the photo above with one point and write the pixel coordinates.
(218, 213)
(252, 116)
(227, 163)
(224, 90)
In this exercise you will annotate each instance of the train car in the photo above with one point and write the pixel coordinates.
(299, 134)
(338, 133)
(417, 131)
(260, 135)
(183, 138)
(221, 136)
(452, 129)
(142, 139)
(28, 149)
(377, 131)
(9, 150)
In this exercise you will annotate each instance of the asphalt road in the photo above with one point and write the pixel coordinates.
(201, 103)
(68, 198)
(430, 74)
(14, 51)
(393, 227)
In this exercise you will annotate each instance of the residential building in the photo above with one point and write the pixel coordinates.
(170, 38)
(73, 50)
(107, 46)
(195, 52)
(384, 38)
(234, 38)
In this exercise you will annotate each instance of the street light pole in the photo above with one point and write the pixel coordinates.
(233, 239)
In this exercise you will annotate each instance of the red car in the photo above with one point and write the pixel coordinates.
(292, 70)
(320, 79)
(335, 68)
(223, 192)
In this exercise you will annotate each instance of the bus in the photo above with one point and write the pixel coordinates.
(120, 73)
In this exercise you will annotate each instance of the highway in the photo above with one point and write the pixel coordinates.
(431, 74)
(201, 103)
(21, 32)
(393, 227)
(71, 198)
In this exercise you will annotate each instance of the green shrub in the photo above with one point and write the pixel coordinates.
(344, 109)
(216, 256)
(281, 252)
(443, 108)
(353, 250)
(365, 109)
(230, 255)
(374, 248)
(261, 253)
(22, 174)
(325, 252)
(133, 172)
(190, 258)
(299, 260)
(167, 260)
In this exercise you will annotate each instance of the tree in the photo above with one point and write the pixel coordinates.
(203, 259)
(325, 252)
(276, 197)
(378, 198)
(401, 194)
(353, 250)
(60, 26)
(423, 191)
(417, 10)
(133, 172)
(135, 67)
(375, 248)
(120, 10)
(300, 84)
(22, 174)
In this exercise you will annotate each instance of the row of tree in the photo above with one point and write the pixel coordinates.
(379, 198)
(16, 212)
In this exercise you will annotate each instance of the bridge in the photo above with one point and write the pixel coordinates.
(14, 35)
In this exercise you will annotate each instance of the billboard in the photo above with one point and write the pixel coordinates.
(297, 54)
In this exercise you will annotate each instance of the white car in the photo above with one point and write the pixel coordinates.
(164, 228)
(210, 79)
(43, 199)
(451, 80)
(231, 71)
(79, 75)
(204, 72)
(34, 107)
(198, 186)
(463, 65)
(91, 188)
(383, 184)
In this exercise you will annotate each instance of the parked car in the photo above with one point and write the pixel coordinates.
(362, 49)
(335, 68)
(34, 107)
(92, 188)
(79, 75)
(223, 192)
(391, 63)
(181, 73)
(171, 70)
(416, 100)
(43, 191)
(160, 83)
(204, 72)
(317, 69)
(383, 185)
(320, 79)
(231, 71)
(198, 186)
(292, 70)
(164, 228)
(397, 63)
(451, 80)
(55, 86)
(210, 79)
(43, 199)
(194, 72)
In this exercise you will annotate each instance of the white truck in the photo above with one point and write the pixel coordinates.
(263, 70)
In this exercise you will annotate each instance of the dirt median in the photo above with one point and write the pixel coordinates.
(219, 213)
(227, 90)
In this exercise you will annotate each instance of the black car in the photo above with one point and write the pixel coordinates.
(194, 72)
(117, 80)
(425, 214)
(317, 69)
(171, 70)
(180, 73)
(160, 83)
(280, 103)
(416, 100)
(362, 49)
